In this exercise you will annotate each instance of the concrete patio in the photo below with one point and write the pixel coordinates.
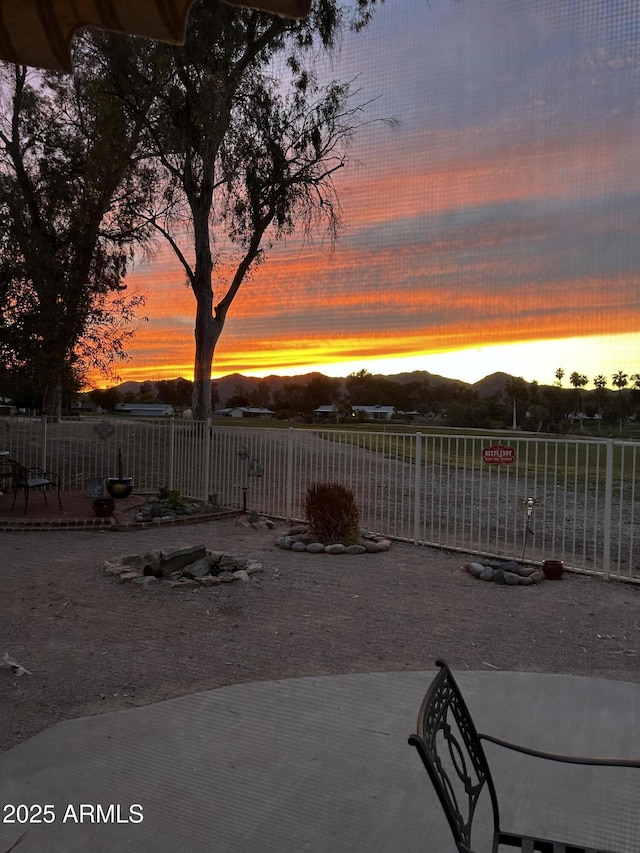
(321, 764)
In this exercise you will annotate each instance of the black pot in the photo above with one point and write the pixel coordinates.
(120, 487)
(104, 507)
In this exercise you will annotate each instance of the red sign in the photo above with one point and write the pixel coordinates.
(499, 454)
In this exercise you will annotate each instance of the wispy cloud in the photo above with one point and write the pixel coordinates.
(504, 207)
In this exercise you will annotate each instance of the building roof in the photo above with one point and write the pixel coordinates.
(372, 409)
(249, 410)
(144, 408)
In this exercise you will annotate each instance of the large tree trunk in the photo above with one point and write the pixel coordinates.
(52, 400)
(208, 325)
(51, 366)
(207, 332)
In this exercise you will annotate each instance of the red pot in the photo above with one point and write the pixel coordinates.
(553, 569)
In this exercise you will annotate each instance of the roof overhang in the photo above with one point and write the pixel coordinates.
(39, 32)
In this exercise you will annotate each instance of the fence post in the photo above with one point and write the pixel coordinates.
(417, 492)
(172, 453)
(289, 504)
(206, 462)
(44, 443)
(608, 512)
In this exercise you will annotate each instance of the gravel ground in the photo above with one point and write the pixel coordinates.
(93, 645)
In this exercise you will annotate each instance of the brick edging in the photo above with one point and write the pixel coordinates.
(117, 523)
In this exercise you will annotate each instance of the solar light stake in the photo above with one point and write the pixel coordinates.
(529, 504)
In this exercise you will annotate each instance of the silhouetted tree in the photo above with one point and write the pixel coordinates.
(70, 189)
(248, 157)
(599, 383)
(175, 392)
(620, 380)
(105, 398)
(518, 392)
(540, 415)
(260, 395)
(578, 380)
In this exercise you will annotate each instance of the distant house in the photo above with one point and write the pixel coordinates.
(324, 414)
(7, 407)
(147, 410)
(376, 413)
(328, 412)
(83, 406)
(245, 412)
(581, 416)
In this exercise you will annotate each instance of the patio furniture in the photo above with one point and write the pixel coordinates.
(451, 750)
(6, 475)
(32, 478)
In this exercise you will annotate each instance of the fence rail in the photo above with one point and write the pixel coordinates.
(423, 488)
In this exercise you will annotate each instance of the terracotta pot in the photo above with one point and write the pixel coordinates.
(553, 569)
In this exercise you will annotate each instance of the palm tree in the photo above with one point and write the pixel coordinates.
(578, 380)
(599, 383)
(635, 390)
(518, 391)
(559, 377)
(620, 380)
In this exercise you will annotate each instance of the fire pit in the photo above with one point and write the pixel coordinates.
(190, 566)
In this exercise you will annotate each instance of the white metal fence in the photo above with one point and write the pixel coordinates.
(424, 488)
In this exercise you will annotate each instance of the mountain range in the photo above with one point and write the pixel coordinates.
(236, 383)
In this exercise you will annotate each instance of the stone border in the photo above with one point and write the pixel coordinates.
(300, 540)
(122, 525)
(509, 573)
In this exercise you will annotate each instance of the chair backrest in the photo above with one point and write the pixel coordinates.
(451, 750)
(20, 474)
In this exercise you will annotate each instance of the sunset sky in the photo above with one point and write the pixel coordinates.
(494, 228)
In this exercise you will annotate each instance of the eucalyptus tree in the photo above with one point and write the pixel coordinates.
(248, 142)
(70, 188)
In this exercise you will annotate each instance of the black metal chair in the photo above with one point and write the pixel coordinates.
(444, 721)
(26, 479)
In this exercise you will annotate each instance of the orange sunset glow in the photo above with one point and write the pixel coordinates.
(494, 228)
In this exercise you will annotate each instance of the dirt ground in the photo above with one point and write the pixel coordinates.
(93, 645)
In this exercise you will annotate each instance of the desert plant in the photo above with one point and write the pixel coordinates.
(332, 513)
(173, 497)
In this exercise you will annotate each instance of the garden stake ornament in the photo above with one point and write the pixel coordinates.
(254, 469)
(529, 504)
